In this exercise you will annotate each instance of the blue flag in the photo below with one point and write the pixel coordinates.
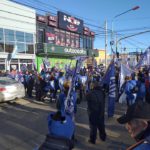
(145, 59)
(106, 77)
(125, 71)
(112, 91)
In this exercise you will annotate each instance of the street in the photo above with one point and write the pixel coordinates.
(24, 126)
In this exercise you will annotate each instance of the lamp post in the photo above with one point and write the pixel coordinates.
(112, 22)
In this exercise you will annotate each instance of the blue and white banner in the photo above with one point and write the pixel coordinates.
(112, 91)
(125, 71)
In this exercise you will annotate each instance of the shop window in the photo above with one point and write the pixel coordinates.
(9, 47)
(20, 36)
(1, 34)
(1, 47)
(9, 35)
(81, 42)
(2, 66)
(41, 36)
(29, 38)
(21, 47)
(29, 49)
(84, 42)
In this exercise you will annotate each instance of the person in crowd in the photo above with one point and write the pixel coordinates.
(61, 125)
(61, 80)
(141, 89)
(26, 77)
(38, 87)
(30, 85)
(62, 97)
(130, 90)
(147, 86)
(137, 120)
(96, 108)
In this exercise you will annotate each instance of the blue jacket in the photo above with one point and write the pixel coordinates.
(141, 90)
(58, 128)
(145, 145)
(128, 89)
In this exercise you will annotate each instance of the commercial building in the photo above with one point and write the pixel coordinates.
(60, 38)
(17, 36)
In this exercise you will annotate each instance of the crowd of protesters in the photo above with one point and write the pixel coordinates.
(135, 90)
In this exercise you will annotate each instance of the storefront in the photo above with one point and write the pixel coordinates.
(59, 56)
(60, 38)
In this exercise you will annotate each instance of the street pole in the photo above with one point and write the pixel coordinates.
(112, 25)
(105, 44)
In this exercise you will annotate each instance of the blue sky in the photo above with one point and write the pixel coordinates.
(95, 12)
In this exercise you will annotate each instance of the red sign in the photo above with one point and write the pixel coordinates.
(67, 38)
(50, 37)
(92, 33)
(52, 23)
(41, 19)
(86, 28)
(86, 32)
(52, 18)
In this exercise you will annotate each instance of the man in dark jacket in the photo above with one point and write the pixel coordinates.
(96, 109)
(137, 120)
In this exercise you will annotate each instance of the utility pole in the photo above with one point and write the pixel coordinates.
(105, 44)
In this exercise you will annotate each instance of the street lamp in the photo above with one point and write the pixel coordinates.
(112, 28)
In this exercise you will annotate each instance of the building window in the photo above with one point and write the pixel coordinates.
(20, 47)
(9, 35)
(30, 48)
(41, 36)
(1, 35)
(29, 43)
(81, 42)
(1, 46)
(28, 38)
(20, 36)
(9, 47)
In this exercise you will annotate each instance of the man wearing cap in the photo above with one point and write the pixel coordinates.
(96, 108)
(137, 120)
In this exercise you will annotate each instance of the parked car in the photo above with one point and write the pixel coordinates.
(10, 89)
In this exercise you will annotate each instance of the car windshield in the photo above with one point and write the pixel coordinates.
(7, 81)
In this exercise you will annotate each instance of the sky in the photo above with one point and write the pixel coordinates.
(96, 12)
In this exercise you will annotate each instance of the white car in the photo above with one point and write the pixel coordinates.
(10, 89)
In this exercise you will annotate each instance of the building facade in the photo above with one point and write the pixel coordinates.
(60, 38)
(17, 36)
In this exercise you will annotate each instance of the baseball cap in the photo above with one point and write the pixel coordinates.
(138, 110)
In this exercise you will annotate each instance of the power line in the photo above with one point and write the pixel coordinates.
(55, 14)
(56, 8)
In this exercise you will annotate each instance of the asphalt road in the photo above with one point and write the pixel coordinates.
(23, 126)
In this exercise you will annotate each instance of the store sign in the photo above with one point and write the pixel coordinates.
(52, 18)
(92, 33)
(86, 29)
(50, 37)
(64, 51)
(41, 19)
(52, 23)
(75, 51)
(86, 33)
(70, 23)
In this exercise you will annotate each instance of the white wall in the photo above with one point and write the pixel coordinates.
(17, 17)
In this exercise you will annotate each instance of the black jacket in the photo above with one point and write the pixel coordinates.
(96, 102)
